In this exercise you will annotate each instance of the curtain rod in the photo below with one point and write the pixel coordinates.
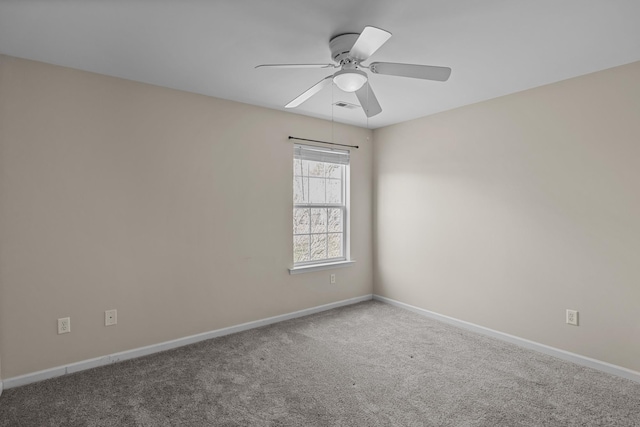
(323, 142)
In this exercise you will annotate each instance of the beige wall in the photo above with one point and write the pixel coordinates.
(173, 208)
(507, 212)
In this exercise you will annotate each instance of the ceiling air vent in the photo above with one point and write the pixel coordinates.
(346, 105)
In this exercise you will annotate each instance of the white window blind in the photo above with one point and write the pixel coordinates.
(319, 154)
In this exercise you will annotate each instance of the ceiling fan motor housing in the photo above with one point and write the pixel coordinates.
(341, 46)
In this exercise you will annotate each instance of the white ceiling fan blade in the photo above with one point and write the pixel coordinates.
(368, 100)
(310, 92)
(427, 72)
(370, 40)
(296, 66)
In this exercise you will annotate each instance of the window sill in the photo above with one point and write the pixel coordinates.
(318, 267)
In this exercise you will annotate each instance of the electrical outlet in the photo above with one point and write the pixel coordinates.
(110, 317)
(64, 325)
(333, 279)
(572, 317)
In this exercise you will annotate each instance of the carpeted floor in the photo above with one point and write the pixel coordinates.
(369, 364)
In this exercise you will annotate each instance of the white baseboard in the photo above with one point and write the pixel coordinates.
(0, 387)
(167, 345)
(532, 345)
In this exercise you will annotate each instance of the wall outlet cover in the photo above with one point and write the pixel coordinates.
(110, 317)
(64, 325)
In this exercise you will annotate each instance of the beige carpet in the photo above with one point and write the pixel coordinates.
(370, 364)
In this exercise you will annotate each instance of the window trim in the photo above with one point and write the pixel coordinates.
(345, 260)
(318, 267)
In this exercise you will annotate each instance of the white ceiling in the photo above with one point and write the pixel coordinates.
(495, 47)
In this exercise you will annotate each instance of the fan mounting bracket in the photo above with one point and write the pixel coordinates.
(341, 45)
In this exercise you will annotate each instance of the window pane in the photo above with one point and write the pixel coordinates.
(300, 248)
(300, 167)
(335, 245)
(318, 220)
(300, 221)
(333, 171)
(316, 168)
(300, 190)
(318, 246)
(335, 220)
(334, 191)
(316, 190)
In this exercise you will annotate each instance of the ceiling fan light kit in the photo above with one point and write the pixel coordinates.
(349, 51)
(350, 80)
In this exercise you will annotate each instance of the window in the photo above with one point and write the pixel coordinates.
(320, 188)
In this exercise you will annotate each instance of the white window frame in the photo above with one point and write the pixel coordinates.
(327, 263)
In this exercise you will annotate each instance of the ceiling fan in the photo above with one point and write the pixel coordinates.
(349, 51)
